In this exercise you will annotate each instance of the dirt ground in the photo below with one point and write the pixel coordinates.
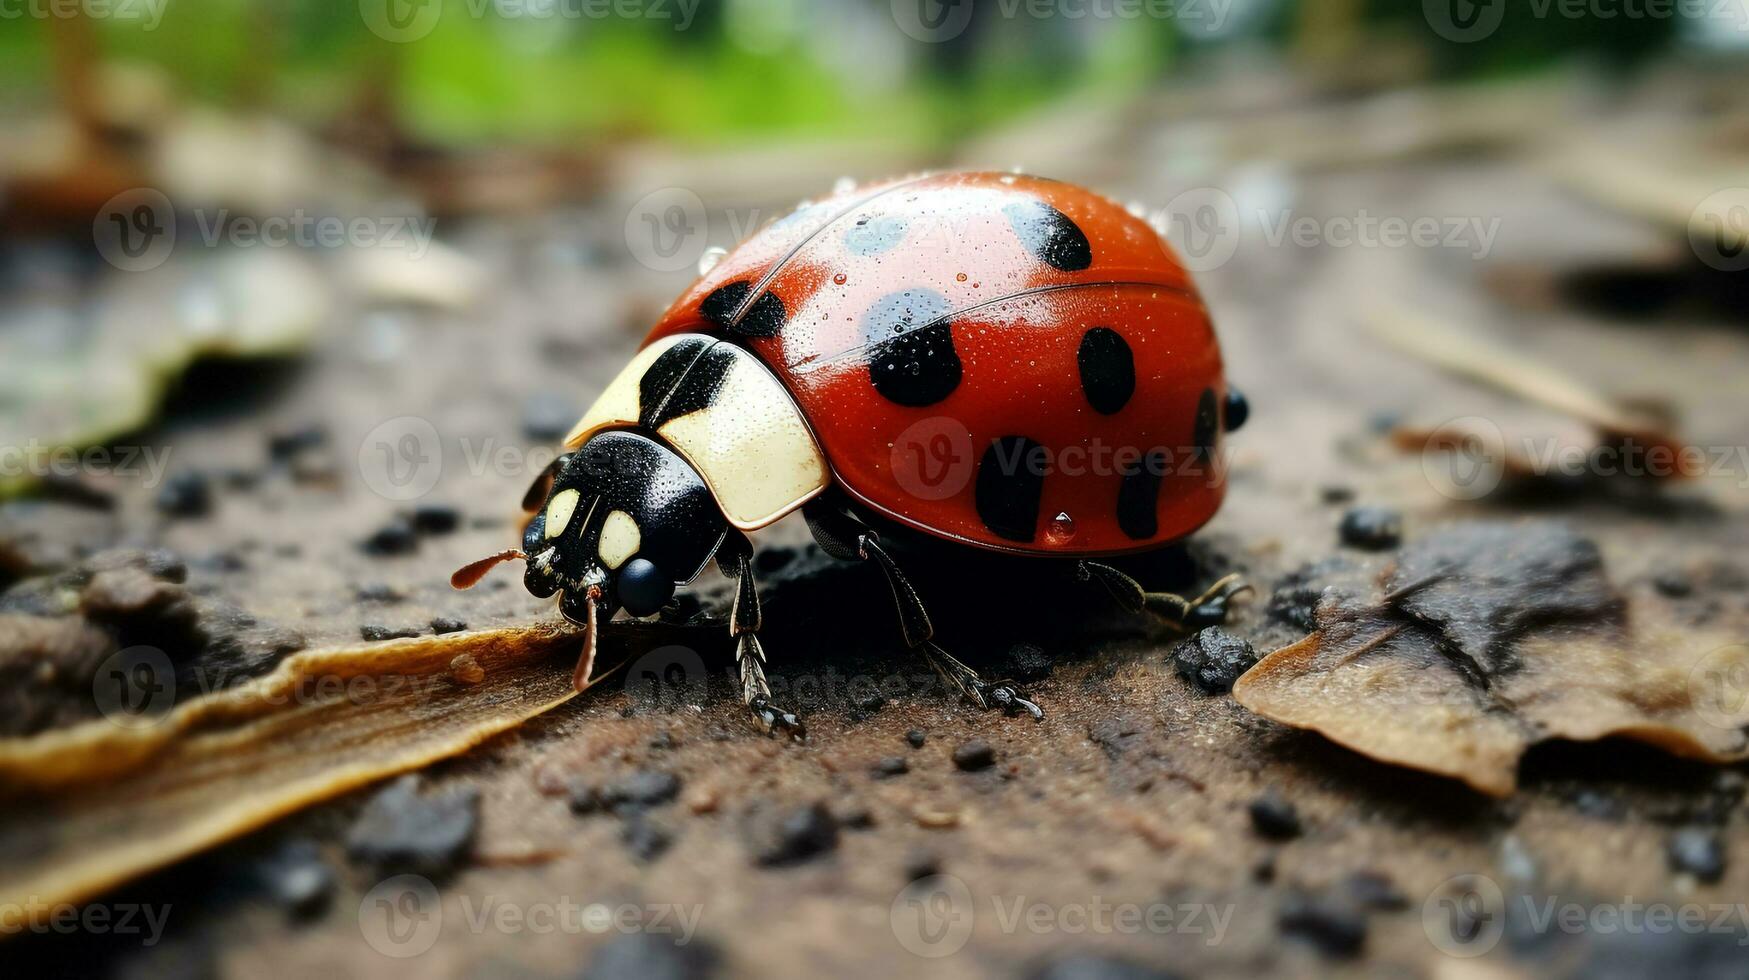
(1136, 792)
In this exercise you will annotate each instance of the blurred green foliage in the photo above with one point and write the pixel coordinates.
(740, 69)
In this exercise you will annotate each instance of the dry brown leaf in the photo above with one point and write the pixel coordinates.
(89, 807)
(1487, 638)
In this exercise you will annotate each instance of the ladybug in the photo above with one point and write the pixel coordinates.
(1002, 362)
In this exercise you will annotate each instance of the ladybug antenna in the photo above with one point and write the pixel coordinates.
(469, 575)
(586, 659)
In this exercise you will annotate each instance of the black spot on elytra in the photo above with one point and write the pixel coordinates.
(1010, 482)
(1208, 424)
(1108, 370)
(665, 373)
(698, 388)
(1050, 235)
(1139, 495)
(764, 319)
(916, 368)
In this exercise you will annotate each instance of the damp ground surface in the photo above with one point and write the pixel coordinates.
(1148, 822)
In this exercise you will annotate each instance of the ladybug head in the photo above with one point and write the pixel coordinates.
(624, 523)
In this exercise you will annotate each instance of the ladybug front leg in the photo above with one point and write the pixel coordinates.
(841, 535)
(1208, 609)
(735, 558)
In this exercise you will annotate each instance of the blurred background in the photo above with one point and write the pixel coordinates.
(296, 297)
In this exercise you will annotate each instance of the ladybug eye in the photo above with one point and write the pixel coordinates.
(642, 587)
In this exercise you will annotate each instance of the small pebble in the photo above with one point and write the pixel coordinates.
(916, 738)
(444, 624)
(1375, 890)
(1699, 852)
(297, 878)
(1096, 966)
(921, 864)
(585, 798)
(397, 537)
(856, 816)
(1673, 584)
(1336, 493)
(801, 834)
(1336, 928)
(653, 956)
(464, 669)
(379, 592)
(186, 494)
(1274, 817)
(868, 704)
(547, 416)
(1372, 528)
(403, 830)
(644, 788)
(286, 443)
(165, 564)
(974, 755)
(892, 765)
(645, 838)
(1213, 660)
(436, 518)
(374, 633)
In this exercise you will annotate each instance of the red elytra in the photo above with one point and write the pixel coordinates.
(1005, 361)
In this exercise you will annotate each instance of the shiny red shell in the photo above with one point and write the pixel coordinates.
(950, 339)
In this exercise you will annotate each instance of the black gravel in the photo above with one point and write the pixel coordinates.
(297, 879)
(1697, 851)
(1213, 660)
(1372, 528)
(397, 537)
(1274, 817)
(974, 755)
(186, 494)
(892, 765)
(799, 835)
(653, 956)
(644, 788)
(443, 624)
(1335, 927)
(401, 830)
(916, 738)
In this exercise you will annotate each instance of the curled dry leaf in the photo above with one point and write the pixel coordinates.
(1486, 638)
(83, 809)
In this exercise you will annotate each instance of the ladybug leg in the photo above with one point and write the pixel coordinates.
(1208, 609)
(843, 536)
(735, 558)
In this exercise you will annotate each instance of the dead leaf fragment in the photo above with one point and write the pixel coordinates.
(1486, 638)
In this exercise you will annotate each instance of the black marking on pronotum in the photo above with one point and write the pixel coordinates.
(1050, 235)
(698, 388)
(1208, 424)
(1108, 370)
(1139, 495)
(664, 373)
(1011, 480)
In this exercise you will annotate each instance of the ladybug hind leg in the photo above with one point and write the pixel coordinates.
(843, 536)
(735, 558)
(1190, 615)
